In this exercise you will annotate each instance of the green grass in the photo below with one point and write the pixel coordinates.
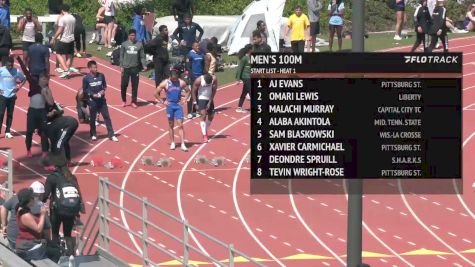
(375, 42)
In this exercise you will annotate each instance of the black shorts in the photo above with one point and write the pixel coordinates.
(202, 103)
(108, 19)
(314, 28)
(65, 48)
(26, 45)
(400, 8)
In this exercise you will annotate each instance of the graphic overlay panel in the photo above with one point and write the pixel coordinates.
(357, 115)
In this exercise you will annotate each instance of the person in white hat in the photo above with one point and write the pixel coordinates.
(10, 226)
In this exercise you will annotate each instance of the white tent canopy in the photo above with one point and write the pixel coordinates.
(269, 11)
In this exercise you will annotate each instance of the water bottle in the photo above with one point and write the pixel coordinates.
(71, 261)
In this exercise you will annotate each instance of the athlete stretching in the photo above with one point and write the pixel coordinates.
(205, 87)
(173, 88)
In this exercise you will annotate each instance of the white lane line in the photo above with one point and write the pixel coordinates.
(382, 230)
(238, 210)
(452, 234)
(436, 203)
(411, 243)
(397, 237)
(375, 201)
(287, 244)
(259, 229)
(466, 240)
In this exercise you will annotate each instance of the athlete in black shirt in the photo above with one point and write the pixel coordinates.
(422, 23)
(439, 29)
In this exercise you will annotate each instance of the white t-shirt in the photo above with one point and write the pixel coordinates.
(68, 22)
(109, 8)
(204, 92)
(29, 32)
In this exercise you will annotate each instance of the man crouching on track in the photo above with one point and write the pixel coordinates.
(173, 88)
(205, 87)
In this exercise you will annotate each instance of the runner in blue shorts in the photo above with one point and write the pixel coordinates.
(173, 88)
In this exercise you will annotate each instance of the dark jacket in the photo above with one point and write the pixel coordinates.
(262, 48)
(158, 47)
(422, 19)
(439, 17)
(5, 38)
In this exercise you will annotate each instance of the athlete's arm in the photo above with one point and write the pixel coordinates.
(214, 88)
(46, 93)
(160, 87)
(194, 89)
(186, 88)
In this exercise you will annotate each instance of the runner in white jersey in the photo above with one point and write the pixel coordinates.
(205, 87)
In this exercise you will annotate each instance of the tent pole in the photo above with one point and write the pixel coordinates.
(355, 186)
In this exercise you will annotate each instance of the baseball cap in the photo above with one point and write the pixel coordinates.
(38, 187)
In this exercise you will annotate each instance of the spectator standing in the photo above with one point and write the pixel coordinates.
(262, 28)
(100, 24)
(335, 12)
(109, 20)
(54, 6)
(132, 61)
(159, 48)
(5, 42)
(422, 21)
(204, 44)
(94, 87)
(400, 15)
(79, 37)
(11, 80)
(65, 47)
(4, 14)
(299, 27)
(314, 7)
(259, 46)
(63, 208)
(139, 26)
(211, 60)
(186, 34)
(28, 26)
(243, 74)
(180, 8)
(195, 61)
(438, 28)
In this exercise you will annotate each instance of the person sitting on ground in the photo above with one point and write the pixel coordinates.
(259, 46)
(451, 26)
(469, 21)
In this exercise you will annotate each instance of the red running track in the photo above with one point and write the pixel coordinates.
(401, 229)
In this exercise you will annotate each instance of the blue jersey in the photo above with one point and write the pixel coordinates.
(197, 62)
(93, 84)
(8, 81)
(173, 91)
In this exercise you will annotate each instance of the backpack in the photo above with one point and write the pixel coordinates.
(68, 199)
(121, 34)
(115, 57)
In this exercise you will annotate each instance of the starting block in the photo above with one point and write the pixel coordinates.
(163, 162)
(147, 161)
(216, 161)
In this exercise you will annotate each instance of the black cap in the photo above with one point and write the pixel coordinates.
(24, 196)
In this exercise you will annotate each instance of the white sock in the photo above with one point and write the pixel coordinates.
(203, 127)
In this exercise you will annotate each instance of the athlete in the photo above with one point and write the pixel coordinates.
(173, 88)
(438, 28)
(205, 87)
(422, 21)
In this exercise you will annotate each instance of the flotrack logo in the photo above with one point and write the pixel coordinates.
(432, 59)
